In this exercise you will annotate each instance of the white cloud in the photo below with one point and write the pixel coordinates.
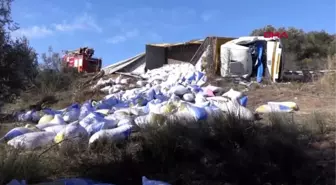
(155, 36)
(182, 12)
(116, 22)
(87, 43)
(116, 39)
(29, 15)
(130, 17)
(123, 37)
(84, 22)
(88, 5)
(33, 32)
(208, 15)
(65, 26)
(175, 19)
(132, 33)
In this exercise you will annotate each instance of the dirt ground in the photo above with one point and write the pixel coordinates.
(307, 101)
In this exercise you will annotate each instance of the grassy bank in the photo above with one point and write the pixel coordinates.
(277, 150)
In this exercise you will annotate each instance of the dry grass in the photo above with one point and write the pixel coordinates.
(328, 81)
(49, 82)
(84, 95)
(49, 85)
(223, 150)
(64, 88)
(22, 165)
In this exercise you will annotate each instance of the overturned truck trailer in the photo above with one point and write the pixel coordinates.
(243, 57)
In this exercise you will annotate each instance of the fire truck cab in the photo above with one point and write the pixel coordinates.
(82, 60)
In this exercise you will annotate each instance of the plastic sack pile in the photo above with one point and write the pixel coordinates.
(79, 181)
(173, 91)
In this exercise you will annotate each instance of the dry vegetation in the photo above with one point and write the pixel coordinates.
(56, 90)
(280, 149)
(276, 151)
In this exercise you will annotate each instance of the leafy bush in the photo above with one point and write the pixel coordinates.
(303, 50)
(18, 61)
(52, 76)
(18, 66)
(50, 81)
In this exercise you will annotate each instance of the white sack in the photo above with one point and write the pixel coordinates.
(73, 134)
(55, 129)
(33, 140)
(57, 120)
(118, 133)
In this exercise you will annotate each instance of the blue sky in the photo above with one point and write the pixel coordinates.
(120, 29)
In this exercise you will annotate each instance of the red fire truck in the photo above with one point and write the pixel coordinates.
(82, 60)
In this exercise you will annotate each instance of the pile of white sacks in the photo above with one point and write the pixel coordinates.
(81, 181)
(173, 91)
